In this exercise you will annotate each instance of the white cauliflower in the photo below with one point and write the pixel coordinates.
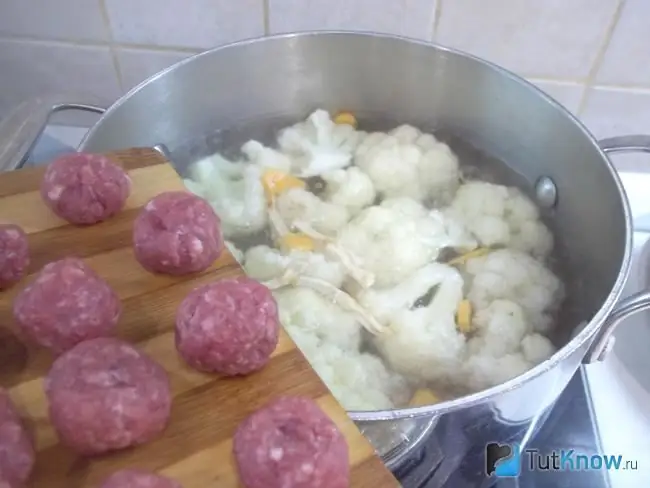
(537, 348)
(503, 347)
(329, 338)
(266, 157)
(484, 371)
(394, 239)
(350, 188)
(359, 381)
(299, 205)
(512, 275)
(500, 328)
(318, 145)
(500, 215)
(264, 263)
(422, 343)
(406, 162)
(304, 311)
(235, 192)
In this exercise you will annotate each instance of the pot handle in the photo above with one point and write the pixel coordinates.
(24, 125)
(637, 302)
(627, 307)
(625, 144)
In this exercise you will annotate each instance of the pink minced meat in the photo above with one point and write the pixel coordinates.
(85, 188)
(106, 395)
(66, 304)
(229, 327)
(177, 233)
(14, 254)
(291, 443)
(16, 448)
(137, 478)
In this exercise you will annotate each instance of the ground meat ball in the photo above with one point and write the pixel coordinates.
(177, 233)
(105, 395)
(16, 448)
(85, 188)
(66, 304)
(291, 443)
(14, 254)
(136, 478)
(229, 327)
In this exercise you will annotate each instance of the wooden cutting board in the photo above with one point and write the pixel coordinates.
(195, 449)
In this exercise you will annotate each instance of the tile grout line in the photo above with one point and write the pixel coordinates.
(437, 13)
(111, 44)
(266, 19)
(92, 43)
(600, 56)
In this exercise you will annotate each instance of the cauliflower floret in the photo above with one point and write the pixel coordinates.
(234, 191)
(500, 215)
(236, 253)
(350, 188)
(406, 162)
(500, 327)
(329, 337)
(537, 348)
(512, 275)
(484, 371)
(318, 145)
(364, 383)
(359, 381)
(385, 302)
(264, 263)
(303, 310)
(298, 205)
(423, 343)
(266, 157)
(503, 347)
(394, 239)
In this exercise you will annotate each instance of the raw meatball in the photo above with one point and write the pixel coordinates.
(229, 327)
(105, 395)
(85, 188)
(290, 442)
(67, 303)
(14, 254)
(137, 478)
(177, 233)
(16, 448)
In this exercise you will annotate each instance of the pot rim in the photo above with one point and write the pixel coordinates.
(585, 335)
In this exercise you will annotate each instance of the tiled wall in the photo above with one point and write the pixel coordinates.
(592, 55)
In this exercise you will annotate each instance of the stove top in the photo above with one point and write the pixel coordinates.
(570, 425)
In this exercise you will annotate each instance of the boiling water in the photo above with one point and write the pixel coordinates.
(476, 163)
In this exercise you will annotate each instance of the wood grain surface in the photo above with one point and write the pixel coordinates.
(195, 449)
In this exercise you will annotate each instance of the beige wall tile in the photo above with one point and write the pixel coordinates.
(544, 39)
(185, 23)
(413, 18)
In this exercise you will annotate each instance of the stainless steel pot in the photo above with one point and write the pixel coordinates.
(380, 77)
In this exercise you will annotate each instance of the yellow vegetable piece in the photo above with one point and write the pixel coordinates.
(346, 118)
(295, 241)
(464, 316)
(476, 253)
(423, 397)
(276, 182)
